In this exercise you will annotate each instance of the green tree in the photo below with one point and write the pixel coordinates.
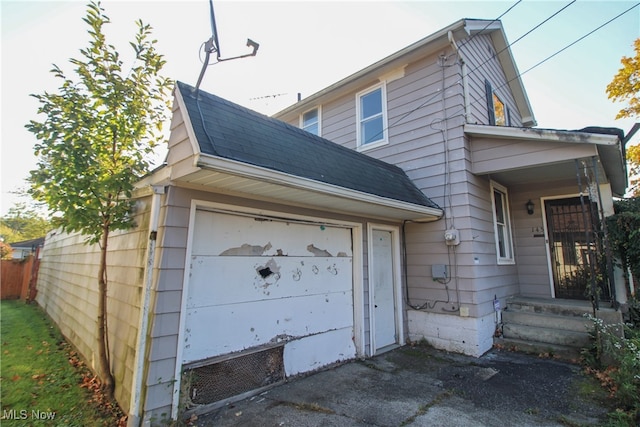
(22, 222)
(624, 235)
(625, 87)
(95, 142)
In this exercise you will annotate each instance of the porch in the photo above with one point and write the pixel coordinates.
(557, 327)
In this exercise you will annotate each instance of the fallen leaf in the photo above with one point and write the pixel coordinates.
(15, 378)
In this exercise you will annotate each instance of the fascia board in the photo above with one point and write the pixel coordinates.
(187, 122)
(263, 174)
(533, 134)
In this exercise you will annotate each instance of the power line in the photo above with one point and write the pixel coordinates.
(490, 22)
(431, 98)
(476, 99)
(578, 40)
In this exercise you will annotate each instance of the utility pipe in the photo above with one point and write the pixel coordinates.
(465, 81)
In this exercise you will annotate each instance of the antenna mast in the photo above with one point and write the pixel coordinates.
(213, 46)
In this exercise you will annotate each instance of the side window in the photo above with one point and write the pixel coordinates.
(372, 117)
(502, 224)
(497, 111)
(310, 121)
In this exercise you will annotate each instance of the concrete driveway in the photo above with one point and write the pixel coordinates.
(420, 386)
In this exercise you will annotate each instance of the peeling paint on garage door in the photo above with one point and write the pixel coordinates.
(256, 281)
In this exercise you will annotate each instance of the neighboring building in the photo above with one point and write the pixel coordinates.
(26, 248)
(419, 201)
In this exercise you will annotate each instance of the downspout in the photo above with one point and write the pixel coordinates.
(465, 81)
(135, 407)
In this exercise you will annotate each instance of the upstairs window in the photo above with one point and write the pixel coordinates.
(502, 224)
(310, 121)
(498, 112)
(371, 112)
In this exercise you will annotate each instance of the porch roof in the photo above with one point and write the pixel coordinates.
(239, 150)
(518, 156)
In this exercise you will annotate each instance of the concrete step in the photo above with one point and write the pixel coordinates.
(568, 308)
(553, 321)
(545, 335)
(533, 347)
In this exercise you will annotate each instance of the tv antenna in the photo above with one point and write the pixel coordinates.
(213, 46)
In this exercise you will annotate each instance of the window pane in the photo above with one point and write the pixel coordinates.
(498, 109)
(310, 117)
(499, 207)
(501, 242)
(371, 103)
(313, 128)
(372, 130)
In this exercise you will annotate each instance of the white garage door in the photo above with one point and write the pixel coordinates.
(256, 281)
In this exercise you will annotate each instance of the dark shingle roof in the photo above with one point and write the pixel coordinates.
(228, 130)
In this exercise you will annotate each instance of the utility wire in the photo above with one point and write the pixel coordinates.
(476, 99)
(578, 40)
(490, 22)
(437, 92)
(522, 36)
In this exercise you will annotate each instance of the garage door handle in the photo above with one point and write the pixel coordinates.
(375, 306)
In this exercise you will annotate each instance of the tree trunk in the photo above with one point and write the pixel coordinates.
(103, 335)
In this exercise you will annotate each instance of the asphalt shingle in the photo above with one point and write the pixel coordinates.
(225, 129)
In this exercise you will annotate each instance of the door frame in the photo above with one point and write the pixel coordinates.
(397, 283)
(543, 206)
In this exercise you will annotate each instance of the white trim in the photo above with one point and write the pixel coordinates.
(385, 132)
(357, 286)
(548, 135)
(186, 119)
(268, 175)
(319, 109)
(397, 283)
(510, 259)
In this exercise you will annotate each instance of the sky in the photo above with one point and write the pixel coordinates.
(306, 46)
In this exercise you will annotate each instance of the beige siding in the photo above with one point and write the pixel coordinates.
(482, 63)
(438, 159)
(67, 290)
(493, 154)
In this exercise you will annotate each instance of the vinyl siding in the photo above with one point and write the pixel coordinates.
(482, 63)
(438, 160)
(68, 292)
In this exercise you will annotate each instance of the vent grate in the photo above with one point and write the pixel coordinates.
(232, 377)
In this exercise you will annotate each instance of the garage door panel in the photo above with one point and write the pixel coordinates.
(316, 351)
(235, 327)
(238, 279)
(245, 236)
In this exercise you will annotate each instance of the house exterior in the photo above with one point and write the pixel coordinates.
(408, 201)
(26, 248)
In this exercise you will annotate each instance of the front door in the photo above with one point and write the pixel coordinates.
(574, 245)
(383, 286)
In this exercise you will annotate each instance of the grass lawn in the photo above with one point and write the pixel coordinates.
(43, 381)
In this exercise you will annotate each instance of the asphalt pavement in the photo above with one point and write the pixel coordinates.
(421, 386)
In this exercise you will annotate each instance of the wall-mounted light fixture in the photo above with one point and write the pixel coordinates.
(529, 207)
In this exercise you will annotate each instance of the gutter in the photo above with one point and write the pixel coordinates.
(234, 167)
(135, 406)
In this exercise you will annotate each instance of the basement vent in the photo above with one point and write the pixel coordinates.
(235, 376)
